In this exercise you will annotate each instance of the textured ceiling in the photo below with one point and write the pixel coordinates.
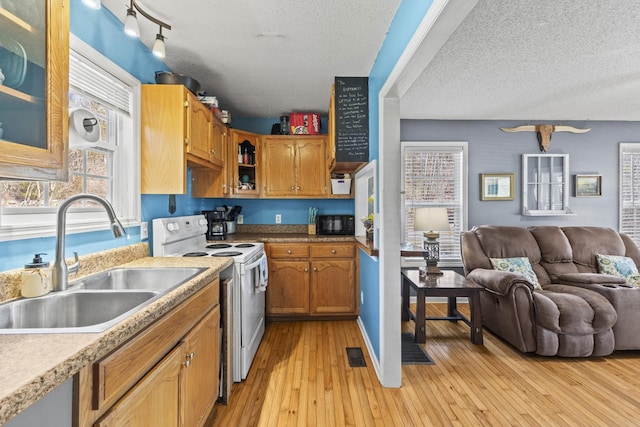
(511, 60)
(264, 58)
(535, 60)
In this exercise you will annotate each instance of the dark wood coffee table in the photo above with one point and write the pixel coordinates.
(450, 285)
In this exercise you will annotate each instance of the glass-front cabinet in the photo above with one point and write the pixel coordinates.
(34, 71)
(545, 184)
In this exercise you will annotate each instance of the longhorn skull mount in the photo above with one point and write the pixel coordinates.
(544, 132)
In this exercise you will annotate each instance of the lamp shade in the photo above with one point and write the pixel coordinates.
(93, 4)
(131, 24)
(158, 47)
(431, 219)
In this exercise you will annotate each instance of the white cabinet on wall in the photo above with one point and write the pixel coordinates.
(545, 184)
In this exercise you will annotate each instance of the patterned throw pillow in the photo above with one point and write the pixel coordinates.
(520, 266)
(620, 266)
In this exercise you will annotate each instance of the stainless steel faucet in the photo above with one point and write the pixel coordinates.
(60, 269)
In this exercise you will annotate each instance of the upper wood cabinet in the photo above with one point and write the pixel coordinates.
(244, 174)
(295, 166)
(178, 131)
(33, 97)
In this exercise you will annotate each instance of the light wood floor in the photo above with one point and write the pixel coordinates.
(301, 377)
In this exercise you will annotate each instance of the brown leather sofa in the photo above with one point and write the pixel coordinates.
(578, 312)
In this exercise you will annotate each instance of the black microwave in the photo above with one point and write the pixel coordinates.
(336, 224)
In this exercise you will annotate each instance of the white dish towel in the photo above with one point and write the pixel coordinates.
(263, 274)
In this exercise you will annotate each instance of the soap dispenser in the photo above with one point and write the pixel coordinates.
(36, 278)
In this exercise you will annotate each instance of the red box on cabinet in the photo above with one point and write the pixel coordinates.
(305, 123)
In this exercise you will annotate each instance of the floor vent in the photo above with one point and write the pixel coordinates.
(356, 357)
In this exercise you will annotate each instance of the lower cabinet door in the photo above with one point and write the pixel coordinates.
(202, 362)
(332, 287)
(288, 290)
(154, 400)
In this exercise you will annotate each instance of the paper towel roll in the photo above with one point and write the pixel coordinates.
(84, 130)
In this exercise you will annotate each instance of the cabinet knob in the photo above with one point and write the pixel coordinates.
(186, 363)
(190, 355)
(306, 269)
(186, 104)
(315, 269)
(297, 188)
(213, 152)
(186, 141)
(289, 251)
(333, 251)
(293, 188)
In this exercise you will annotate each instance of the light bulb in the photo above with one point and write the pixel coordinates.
(131, 24)
(93, 4)
(158, 47)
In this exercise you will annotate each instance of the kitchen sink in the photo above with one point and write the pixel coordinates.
(161, 279)
(93, 303)
(71, 311)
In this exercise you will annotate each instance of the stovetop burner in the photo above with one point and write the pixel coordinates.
(227, 253)
(194, 254)
(219, 246)
(245, 245)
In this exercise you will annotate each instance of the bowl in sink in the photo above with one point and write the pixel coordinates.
(71, 312)
(161, 279)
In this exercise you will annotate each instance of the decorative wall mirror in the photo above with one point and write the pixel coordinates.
(545, 184)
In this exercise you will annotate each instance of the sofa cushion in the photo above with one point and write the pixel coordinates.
(620, 266)
(586, 242)
(519, 265)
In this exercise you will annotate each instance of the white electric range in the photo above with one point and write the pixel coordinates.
(185, 236)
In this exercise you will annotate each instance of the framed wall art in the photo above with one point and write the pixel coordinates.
(496, 186)
(588, 185)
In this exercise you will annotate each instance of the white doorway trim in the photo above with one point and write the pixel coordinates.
(440, 21)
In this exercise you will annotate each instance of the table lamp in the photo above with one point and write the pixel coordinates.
(431, 221)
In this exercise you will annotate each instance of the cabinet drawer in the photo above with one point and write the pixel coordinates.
(289, 251)
(333, 251)
(122, 368)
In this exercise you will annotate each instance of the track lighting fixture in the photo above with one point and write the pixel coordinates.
(132, 29)
(158, 46)
(93, 4)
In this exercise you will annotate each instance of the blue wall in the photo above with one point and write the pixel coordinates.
(263, 125)
(404, 24)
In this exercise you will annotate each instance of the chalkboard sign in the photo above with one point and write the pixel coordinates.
(352, 119)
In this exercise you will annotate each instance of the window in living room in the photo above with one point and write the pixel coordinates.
(630, 190)
(434, 174)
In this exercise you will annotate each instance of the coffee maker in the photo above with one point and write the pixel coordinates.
(216, 224)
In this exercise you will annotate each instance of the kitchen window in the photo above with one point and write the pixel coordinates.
(630, 190)
(110, 169)
(434, 174)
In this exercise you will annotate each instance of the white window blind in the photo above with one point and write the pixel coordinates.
(98, 84)
(434, 175)
(630, 190)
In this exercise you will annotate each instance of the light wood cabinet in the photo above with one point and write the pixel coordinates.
(179, 131)
(244, 176)
(154, 401)
(211, 182)
(34, 113)
(169, 370)
(295, 166)
(311, 280)
(201, 359)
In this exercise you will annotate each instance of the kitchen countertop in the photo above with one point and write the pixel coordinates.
(34, 364)
(285, 237)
